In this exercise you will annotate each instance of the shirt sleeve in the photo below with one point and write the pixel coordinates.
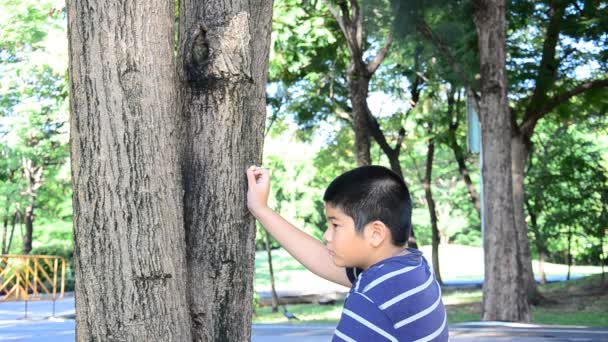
(362, 320)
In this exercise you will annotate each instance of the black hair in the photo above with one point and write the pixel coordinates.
(373, 193)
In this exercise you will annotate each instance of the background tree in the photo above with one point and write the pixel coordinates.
(503, 297)
(553, 58)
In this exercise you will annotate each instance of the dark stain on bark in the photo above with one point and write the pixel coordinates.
(197, 57)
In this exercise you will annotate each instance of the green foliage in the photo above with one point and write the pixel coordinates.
(34, 169)
(566, 190)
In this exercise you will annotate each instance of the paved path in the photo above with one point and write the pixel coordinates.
(39, 327)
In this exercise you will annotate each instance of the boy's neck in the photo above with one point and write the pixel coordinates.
(385, 253)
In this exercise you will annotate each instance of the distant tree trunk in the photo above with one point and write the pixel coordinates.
(4, 233)
(129, 250)
(541, 267)
(16, 216)
(273, 290)
(569, 251)
(431, 202)
(29, 229)
(503, 297)
(459, 153)
(539, 241)
(223, 57)
(33, 178)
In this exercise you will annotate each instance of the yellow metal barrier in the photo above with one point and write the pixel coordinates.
(24, 277)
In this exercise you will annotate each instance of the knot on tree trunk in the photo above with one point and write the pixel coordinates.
(218, 53)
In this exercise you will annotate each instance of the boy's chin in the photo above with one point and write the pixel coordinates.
(341, 263)
(338, 263)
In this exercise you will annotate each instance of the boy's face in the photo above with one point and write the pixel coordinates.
(346, 246)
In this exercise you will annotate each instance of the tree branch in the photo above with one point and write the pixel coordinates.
(357, 19)
(547, 69)
(348, 27)
(373, 65)
(339, 18)
(528, 125)
(378, 135)
(427, 32)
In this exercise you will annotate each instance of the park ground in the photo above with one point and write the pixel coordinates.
(574, 310)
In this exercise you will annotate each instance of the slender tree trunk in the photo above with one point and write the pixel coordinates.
(29, 229)
(503, 297)
(16, 215)
(463, 170)
(33, 177)
(4, 234)
(541, 266)
(358, 83)
(459, 152)
(539, 241)
(224, 47)
(273, 290)
(431, 204)
(129, 251)
(519, 155)
(569, 251)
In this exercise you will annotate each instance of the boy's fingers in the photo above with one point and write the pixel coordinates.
(251, 176)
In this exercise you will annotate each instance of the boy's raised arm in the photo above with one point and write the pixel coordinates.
(309, 251)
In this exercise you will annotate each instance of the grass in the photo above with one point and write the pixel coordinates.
(456, 262)
(582, 302)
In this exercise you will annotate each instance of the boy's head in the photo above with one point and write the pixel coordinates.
(373, 193)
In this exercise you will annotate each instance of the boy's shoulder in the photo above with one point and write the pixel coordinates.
(394, 275)
(401, 297)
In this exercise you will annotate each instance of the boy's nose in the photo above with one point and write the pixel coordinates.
(326, 235)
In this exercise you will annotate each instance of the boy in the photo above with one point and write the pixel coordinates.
(394, 295)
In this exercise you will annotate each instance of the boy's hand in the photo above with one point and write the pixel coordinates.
(258, 180)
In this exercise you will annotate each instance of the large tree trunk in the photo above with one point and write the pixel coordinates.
(224, 47)
(503, 297)
(519, 155)
(431, 203)
(129, 250)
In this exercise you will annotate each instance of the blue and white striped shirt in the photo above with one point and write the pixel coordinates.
(397, 299)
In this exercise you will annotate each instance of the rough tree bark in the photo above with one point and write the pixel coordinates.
(503, 297)
(129, 251)
(223, 58)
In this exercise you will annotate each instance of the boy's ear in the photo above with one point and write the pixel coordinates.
(376, 233)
